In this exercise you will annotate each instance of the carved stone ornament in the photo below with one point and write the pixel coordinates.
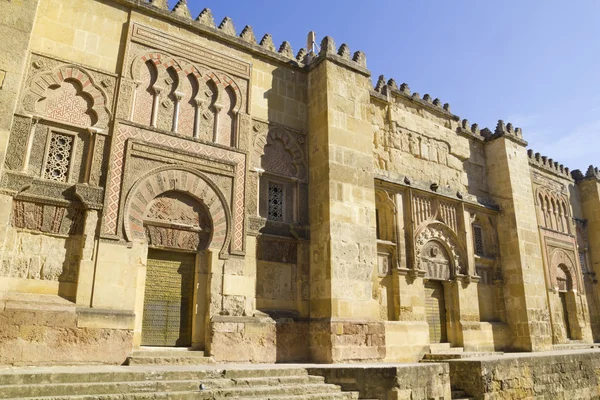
(68, 93)
(560, 257)
(278, 152)
(190, 183)
(438, 253)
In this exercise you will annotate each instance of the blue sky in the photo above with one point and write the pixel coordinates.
(535, 63)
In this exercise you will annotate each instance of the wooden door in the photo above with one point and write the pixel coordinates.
(168, 299)
(435, 309)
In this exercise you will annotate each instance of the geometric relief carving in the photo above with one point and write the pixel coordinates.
(563, 262)
(187, 99)
(65, 103)
(422, 209)
(278, 152)
(69, 94)
(183, 204)
(435, 245)
(120, 137)
(59, 157)
(144, 96)
(47, 218)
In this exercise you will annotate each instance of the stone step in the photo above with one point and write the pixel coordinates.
(195, 396)
(102, 388)
(457, 356)
(184, 360)
(446, 350)
(575, 346)
(458, 394)
(130, 374)
(168, 356)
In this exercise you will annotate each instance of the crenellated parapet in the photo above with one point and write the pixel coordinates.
(342, 55)
(390, 88)
(591, 173)
(548, 164)
(226, 29)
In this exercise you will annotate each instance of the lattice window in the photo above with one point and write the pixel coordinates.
(59, 157)
(478, 238)
(275, 212)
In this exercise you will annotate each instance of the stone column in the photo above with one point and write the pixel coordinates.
(342, 211)
(509, 181)
(589, 187)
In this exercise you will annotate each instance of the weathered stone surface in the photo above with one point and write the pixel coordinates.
(320, 218)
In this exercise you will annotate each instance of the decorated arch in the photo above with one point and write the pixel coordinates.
(185, 180)
(435, 243)
(74, 92)
(560, 259)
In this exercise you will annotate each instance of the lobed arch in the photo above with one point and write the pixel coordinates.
(185, 180)
(290, 144)
(442, 234)
(85, 84)
(559, 258)
(184, 68)
(553, 209)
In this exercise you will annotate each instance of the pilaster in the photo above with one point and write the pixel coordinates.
(341, 210)
(524, 283)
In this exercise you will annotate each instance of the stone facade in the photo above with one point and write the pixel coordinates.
(169, 173)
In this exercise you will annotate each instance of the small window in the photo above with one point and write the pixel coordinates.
(275, 211)
(59, 155)
(478, 239)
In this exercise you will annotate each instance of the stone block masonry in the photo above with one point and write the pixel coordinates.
(564, 375)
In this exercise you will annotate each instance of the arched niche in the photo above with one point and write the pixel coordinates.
(436, 241)
(68, 93)
(278, 152)
(173, 180)
(562, 263)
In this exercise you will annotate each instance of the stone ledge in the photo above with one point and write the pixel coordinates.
(105, 318)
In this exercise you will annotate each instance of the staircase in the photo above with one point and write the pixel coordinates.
(166, 382)
(440, 352)
(167, 356)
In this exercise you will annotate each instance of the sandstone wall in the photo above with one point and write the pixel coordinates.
(557, 376)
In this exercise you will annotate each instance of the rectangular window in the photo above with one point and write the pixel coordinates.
(58, 159)
(275, 211)
(478, 239)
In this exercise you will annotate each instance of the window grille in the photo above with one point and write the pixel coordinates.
(478, 238)
(275, 212)
(59, 157)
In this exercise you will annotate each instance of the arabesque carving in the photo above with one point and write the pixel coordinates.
(442, 236)
(142, 206)
(68, 93)
(279, 152)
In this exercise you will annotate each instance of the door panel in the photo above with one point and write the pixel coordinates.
(435, 309)
(168, 299)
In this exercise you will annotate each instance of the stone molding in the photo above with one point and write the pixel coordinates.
(180, 179)
(124, 132)
(41, 81)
